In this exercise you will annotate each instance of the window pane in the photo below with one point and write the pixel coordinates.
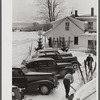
(91, 44)
(90, 25)
(76, 40)
(66, 25)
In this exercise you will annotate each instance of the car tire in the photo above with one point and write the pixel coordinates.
(75, 66)
(44, 89)
(62, 73)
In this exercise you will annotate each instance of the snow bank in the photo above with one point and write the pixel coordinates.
(87, 91)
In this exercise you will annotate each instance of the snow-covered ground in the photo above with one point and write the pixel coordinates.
(21, 43)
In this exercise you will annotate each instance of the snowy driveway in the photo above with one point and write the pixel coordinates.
(56, 94)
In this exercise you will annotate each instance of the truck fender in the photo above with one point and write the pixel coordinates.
(34, 86)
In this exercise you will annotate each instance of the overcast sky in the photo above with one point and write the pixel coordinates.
(26, 10)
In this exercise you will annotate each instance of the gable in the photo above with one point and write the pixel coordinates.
(76, 27)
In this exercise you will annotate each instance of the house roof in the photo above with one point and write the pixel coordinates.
(57, 21)
(61, 20)
(86, 15)
(84, 18)
(75, 21)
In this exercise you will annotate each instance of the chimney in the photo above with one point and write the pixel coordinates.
(76, 15)
(92, 11)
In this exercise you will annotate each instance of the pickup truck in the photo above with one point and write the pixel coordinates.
(58, 58)
(34, 81)
(48, 65)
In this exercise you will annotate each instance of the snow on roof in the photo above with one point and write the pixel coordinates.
(87, 33)
(87, 15)
(39, 59)
(60, 20)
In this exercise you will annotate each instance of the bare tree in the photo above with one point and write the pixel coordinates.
(50, 10)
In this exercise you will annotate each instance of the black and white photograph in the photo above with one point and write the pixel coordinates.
(54, 50)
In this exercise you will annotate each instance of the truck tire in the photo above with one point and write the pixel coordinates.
(62, 73)
(75, 66)
(44, 89)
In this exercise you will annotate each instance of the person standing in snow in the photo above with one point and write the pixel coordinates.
(89, 61)
(68, 79)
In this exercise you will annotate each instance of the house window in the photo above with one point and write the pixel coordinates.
(75, 40)
(92, 44)
(66, 25)
(90, 25)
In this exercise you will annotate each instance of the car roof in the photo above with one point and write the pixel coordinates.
(40, 59)
(18, 66)
(13, 86)
(46, 50)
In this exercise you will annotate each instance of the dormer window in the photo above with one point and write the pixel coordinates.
(90, 25)
(67, 26)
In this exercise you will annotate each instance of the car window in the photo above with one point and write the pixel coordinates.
(35, 63)
(42, 63)
(51, 63)
(32, 64)
(17, 72)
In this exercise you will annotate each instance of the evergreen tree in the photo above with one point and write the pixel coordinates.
(63, 44)
(40, 44)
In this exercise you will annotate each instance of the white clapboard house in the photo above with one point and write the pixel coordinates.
(77, 31)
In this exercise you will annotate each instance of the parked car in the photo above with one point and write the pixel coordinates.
(58, 58)
(34, 81)
(17, 94)
(48, 65)
(51, 50)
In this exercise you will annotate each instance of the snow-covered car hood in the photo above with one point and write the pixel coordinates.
(38, 73)
(67, 57)
(64, 64)
(64, 53)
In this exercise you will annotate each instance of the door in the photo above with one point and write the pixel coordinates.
(52, 67)
(42, 66)
(18, 78)
(92, 44)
